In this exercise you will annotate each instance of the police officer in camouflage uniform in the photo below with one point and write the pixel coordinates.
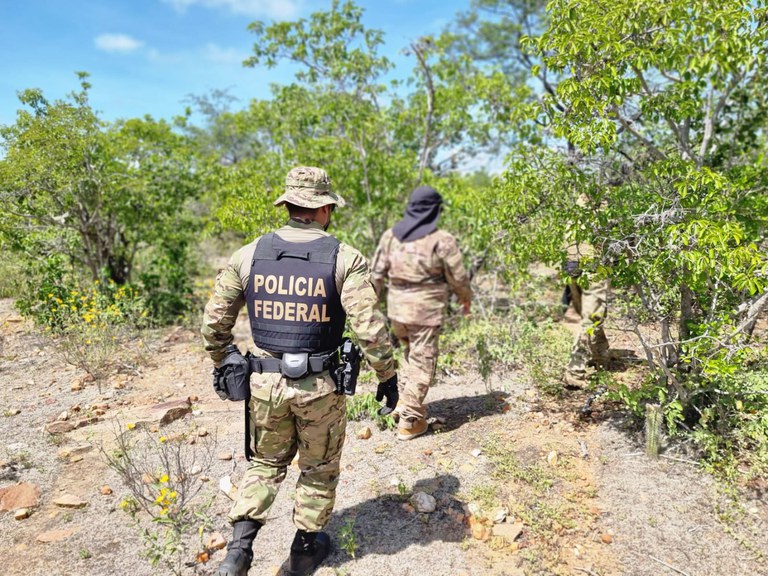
(300, 285)
(421, 265)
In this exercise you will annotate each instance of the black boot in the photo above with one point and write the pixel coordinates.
(308, 551)
(239, 550)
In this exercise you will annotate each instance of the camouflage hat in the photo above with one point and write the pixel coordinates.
(309, 187)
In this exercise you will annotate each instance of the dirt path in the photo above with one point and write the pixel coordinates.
(583, 498)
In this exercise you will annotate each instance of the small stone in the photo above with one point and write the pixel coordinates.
(196, 469)
(202, 432)
(476, 452)
(394, 481)
(13, 412)
(381, 448)
(427, 452)
(606, 538)
(22, 495)
(204, 479)
(63, 416)
(59, 427)
(154, 428)
(197, 412)
(499, 515)
(82, 422)
(226, 486)
(70, 501)
(215, 542)
(105, 490)
(364, 433)
(22, 513)
(55, 535)
(147, 479)
(479, 530)
(69, 452)
(224, 455)
(194, 398)
(552, 458)
(423, 502)
(168, 412)
(510, 532)
(76, 387)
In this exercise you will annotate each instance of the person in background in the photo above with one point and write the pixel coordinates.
(419, 265)
(590, 346)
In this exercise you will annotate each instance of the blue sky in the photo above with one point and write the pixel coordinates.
(146, 56)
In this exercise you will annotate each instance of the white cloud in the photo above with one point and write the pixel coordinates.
(277, 9)
(117, 43)
(215, 53)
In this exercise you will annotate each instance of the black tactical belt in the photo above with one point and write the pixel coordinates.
(317, 364)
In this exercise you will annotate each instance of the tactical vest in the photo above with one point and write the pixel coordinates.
(293, 303)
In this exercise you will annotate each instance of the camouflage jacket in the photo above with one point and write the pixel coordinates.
(420, 275)
(353, 282)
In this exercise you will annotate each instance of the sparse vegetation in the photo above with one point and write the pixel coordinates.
(347, 538)
(161, 475)
(365, 407)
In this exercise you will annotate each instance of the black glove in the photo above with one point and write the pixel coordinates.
(387, 389)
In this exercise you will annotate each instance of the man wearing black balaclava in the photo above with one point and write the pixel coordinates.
(420, 265)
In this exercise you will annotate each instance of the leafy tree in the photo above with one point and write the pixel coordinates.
(378, 140)
(106, 196)
(662, 116)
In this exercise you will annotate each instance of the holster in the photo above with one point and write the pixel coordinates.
(345, 374)
(233, 376)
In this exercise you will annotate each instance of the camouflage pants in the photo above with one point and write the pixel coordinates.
(420, 343)
(590, 344)
(286, 416)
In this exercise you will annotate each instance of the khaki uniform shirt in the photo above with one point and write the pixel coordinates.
(353, 282)
(421, 274)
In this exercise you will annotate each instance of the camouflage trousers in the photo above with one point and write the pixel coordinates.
(418, 371)
(287, 416)
(590, 344)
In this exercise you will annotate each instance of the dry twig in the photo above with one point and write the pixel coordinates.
(668, 566)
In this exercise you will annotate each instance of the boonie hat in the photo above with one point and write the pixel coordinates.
(309, 187)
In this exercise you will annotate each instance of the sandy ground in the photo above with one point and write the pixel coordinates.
(609, 511)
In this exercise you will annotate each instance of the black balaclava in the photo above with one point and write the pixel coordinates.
(421, 215)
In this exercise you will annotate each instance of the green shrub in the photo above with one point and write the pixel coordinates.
(511, 341)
